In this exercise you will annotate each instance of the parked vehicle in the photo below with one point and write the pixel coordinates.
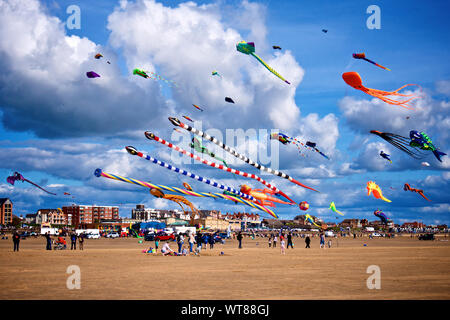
(162, 236)
(113, 235)
(150, 236)
(428, 236)
(93, 236)
(376, 234)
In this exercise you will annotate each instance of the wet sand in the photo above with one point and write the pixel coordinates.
(117, 269)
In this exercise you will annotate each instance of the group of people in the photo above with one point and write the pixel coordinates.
(62, 244)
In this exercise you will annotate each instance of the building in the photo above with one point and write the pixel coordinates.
(412, 225)
(30, 218)
(352, 223)
(52, 216)
(147, 214)
(85, 214)
(6, 211)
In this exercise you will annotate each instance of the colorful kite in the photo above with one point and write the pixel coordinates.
(407, 187)
(180, 200)
(303, 205)
(263, 196)
(313, 145)
(132, 150)
(354, 80)
(100, 173)
(363, 56)
(187, 118)
(385, 156)
(197, 146)
(228, 99)
(249, 48)
(152, 136)
(188, 187)
(18, 177)
(178, 123)
(92, 74)
(423, 142)
(141, 73)
(284, 139)
(215, 73)
(372, 187)
(378, 213)
(152, 75)
(99, 55)
(197, 107)
(333, 208)
(401, 143)
(311, 219)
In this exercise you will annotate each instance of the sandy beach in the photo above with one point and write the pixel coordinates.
(117, 269)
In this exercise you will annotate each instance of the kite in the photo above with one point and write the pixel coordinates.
(311, 219)
(284, 139)
(187, 118)
(401, 143)
(249, 48)
(100, 173)
(422, 141)
(313, 145)
(141, 73)
(177, 130)
(188, 187)
(363, 56)
(407, 187)
(178, 123)
(180, 200)
(152, 76)
(262, 196)
(197, 146)
(92, 74)
(152, 136)
(18, 177)
(381, 215)
(67, 194)
(425, 164)
(215, 73)
(99, 55)
(333, 208)
(197, 107)
(324, 30)
(132, 150)
(354, 80)
(303, 205)
(276, 47)
(372, 187)
(228, 99)
(385, 156)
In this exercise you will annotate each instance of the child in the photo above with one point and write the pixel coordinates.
(156, 244)
(282, 245)
(270, 241)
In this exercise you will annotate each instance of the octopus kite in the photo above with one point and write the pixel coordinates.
(372, 187)
(363, 56)
(354, 80)
(407, 187)
(263, 196)
(249, 48)
(18, 177)
(175, 198)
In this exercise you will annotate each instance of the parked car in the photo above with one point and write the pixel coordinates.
(113, 235)
(93, 236)
(376, 234)
(428, 236)
(149, 236)
(162, 236)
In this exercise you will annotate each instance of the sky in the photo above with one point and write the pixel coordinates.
(57, 126)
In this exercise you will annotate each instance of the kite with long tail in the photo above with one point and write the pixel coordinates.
(363, 56)
(180, 124)
(100, 173)
(249, 48)
(333, 208)
(18, 177)
(197, 146)
(132, 150)
(152, 136)
(407, 187)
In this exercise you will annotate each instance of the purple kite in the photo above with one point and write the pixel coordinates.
(92, 74)
(18, 177)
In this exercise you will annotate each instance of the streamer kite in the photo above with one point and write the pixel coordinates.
(249, 48)
(92, 74)
(152, 136)
(313, 145)
(133, 151)
(285, 139)
(401, 143)
(197, 146)
(100, 173)
(18, 177)
(407, 187)
(197, 107)
(263, 196)
(177, 122)
(333, 208)
(372, 187)
(354, 80)
(153, 76)
(385, 156)
(363, 57)
(303, 205)
(187, 118)
(378, 213)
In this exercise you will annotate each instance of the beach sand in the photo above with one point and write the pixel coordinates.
(117, 269)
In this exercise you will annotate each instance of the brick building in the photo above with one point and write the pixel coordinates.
(84, 214)
(52, 216)
(6, 211)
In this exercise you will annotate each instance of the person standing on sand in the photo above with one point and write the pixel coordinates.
(49, 241)
(289, 241)
(73, 239)
(211, 241)
(81, 241)
(156, 244)
(239, 238)
(307, 241)
(275, 239)
(199, 242)
(16, 241)
(180, 241)
(191, 242)
(270, 240)
(322, 240)
(282, 245)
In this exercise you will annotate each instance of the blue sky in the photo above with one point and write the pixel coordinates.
(57, 134)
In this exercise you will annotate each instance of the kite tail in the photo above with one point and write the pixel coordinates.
(438, 154)
(302, 185)
(34, 184)
(269, 68)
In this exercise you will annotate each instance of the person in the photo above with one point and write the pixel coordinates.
(289, 241)
(81, 241)
(180, 241)
(270, 241)
(49, 241)
(211, 241)
(16, 241)
(73, 239)
(156, 244)
(239, 238)
(191, 242)
(307, 241)
(205, 240)
(275, 239)
(282, 245)
(322, 240)
(329, 243)
(166, 250)
(199, 242)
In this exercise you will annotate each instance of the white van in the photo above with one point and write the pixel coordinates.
(51, 231)
(329, 234)
(89, 233)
